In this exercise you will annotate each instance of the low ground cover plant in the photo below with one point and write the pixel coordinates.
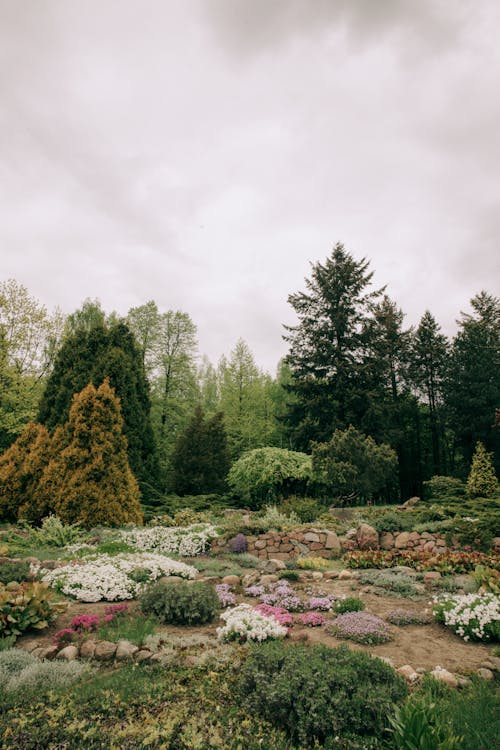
(246, 623)
(395, 582)
(473, 617)
(180, 603)
(361, 627)
(313, 692)
(404, 617)
(15, 570)
(186, 541)
(114, 578)
(20, 672)
(226, 597)
(349, 604)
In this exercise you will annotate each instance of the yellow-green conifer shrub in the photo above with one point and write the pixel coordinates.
(21, 467)
(89, 475)
(482, 480)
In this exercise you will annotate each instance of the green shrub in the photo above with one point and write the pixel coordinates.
(14, 571)
(440, 487)
(180, 603)
(272, 519)
(482, 480)
(29, 606)
(391, 520)
(306, 508)
(397, 583)
(267, 474)
(315, 692)
(289, 575)
(350, 604)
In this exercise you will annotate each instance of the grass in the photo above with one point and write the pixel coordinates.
(134, 628)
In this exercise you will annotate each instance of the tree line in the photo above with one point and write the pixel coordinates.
(351, 362)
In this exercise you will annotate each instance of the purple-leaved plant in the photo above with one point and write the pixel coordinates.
(238, 544)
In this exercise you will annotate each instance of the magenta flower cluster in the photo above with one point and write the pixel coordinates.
(226, 596)
(312, 619)
(279, 613)
(85, 624)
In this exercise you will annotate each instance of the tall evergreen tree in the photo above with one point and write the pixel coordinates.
(88, 479)
(327, 348)
(90, 356)
(428, 356)
(472, 386)
(200, 459)
(21, 467)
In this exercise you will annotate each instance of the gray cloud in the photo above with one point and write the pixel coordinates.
(203, 154)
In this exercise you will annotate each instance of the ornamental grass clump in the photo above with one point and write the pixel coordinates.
(473, 617)
(361, 627)
(245, 623)
(180, 603)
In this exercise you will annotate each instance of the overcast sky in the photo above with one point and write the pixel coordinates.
(202, 153)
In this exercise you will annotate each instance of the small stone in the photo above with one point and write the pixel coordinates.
(30, 646)
(231, 580)
(249, 579)
(268, 579)
(420, 670)
(387, 540)
(463, 681)
(69, 653)
(317, 575)
(492, 662)
(345, 575)
(401, 540)
(310, 536)
(87, 650)
(38, 652)
(407, 671)
(143, 654)
(367, 536)
(444, 676)
(104, 650)
(260, 544)
(328, 575)
(431, 575)
(279, 564)
(50, 652)
(486, 674)
(125, 650)
(332, 542)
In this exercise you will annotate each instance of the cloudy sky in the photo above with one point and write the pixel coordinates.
(202, 153)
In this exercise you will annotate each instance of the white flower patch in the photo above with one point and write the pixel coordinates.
(469, 615)
(245, 623)
(111, 577)
(186, 541)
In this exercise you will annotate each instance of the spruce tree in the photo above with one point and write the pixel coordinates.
(21, 467)
(200, 459)
(90, 355)
(482, 480)
(88, 478)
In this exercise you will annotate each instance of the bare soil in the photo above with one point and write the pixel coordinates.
(424, 646)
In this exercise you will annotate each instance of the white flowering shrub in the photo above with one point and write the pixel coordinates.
(244, 623)
(114, 578)
(186, 541)
(473, 617)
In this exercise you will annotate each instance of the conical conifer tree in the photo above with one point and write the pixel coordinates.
(21, 467)
(89, 476)
(482, 480)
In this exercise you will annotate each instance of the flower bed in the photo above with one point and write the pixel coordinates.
(471, 616)
(245, 623)
(114, 578)
(446, 562)
(361, 627)
(186, 541)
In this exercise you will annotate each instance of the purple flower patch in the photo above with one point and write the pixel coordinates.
(226, 596)
(312, 619)
(361, 627)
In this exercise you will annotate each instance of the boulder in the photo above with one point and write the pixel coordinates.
(87, 650)
(486, 674)
(276, 564)
(104, 650)
(345, 575)
(408, 673)
(401, 540)
(125, 650)
(367, 537)
(332, 542)
(231, 580)
(444, 676)
(317, 575)
(387, 540)
(70, 653)
(143, 654)
(49, 652)
(264, 580)
(311, 536)
(329, 574)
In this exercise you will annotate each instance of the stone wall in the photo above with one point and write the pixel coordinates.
(286, 545)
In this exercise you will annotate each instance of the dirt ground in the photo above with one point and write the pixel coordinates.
(423, 646)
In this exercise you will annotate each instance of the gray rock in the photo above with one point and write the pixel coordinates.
(407, 671)
(143, 654)
(87, 650)
(310, 536)
(70, 653)
(104, 650)
(486, 674)
(280, 565)
(444, 676)
(49, 652)
(125, 650)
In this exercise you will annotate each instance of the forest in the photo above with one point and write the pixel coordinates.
(377, 407)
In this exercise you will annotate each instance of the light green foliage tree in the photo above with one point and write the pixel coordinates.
(21, 467)
(144, 322)
(29, 338)
(245, 400)
(269, 474)
(352, 466)
(208, 386)
(482, 480)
